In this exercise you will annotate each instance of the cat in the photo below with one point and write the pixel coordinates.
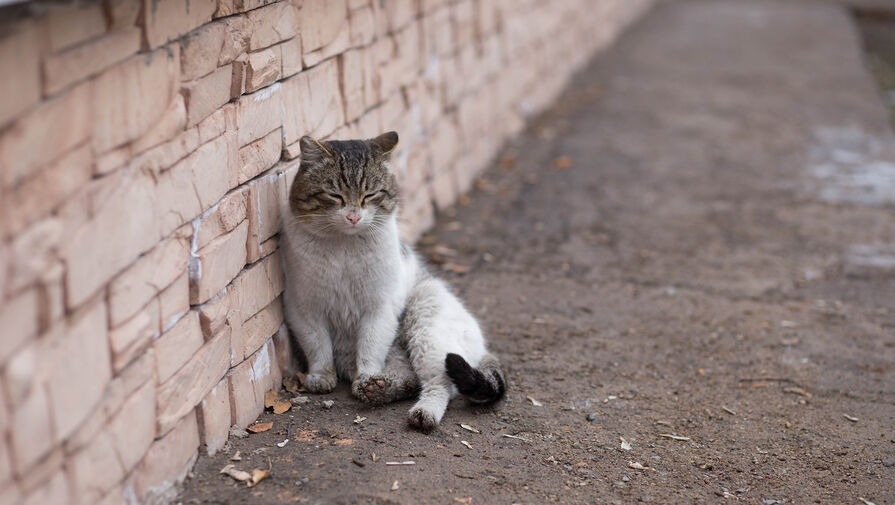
(360, 303)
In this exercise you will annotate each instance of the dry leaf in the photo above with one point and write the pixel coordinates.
(257, 476)
(467, 444)
(260, 427)
(291, 384)
(270, 398)
(236, 474)
(562, 162)
(280, 407)
(798, 391)
(534, 402)
(374, 457)
(469, 428)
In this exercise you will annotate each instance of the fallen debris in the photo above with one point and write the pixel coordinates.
(236, 431)
(625, 445)
(328, 404)
(798, 391)
(562, 162)
(236, 474)
(464, 501)
(400, 463)
(359, 419)
(534, 402)
(467, 444)
(850, 418)
(729, 411)
(260, 427)
(358, 463)
(637, 466)
(865, 501)
(236, 457)
(395, 486)
(673, 437)
(469, 428)
(765, 378)
(507, 435)
(374, 457)
(257, 476)
(591, 417)
(299, 400)
(283, 443)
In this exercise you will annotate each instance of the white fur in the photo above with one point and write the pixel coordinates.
(345, 292)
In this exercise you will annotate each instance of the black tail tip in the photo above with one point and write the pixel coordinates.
(472, 383)
(459, 370)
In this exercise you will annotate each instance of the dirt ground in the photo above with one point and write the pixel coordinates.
(687, 267)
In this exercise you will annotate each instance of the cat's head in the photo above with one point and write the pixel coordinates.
(344, 187)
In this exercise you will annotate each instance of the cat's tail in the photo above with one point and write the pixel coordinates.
(485, 384)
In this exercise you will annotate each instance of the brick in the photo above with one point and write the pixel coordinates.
(95, 469)
(177, 345)
(321, 21)
(216, 264)
(164, 156)
(33, 252)
(214, 417)
(362, 26)
(32, 437)
(133, 428)
(122, 387)
(77, 63)
(207, 94)
(272, 24)
(178, 395)
(351, 71)
(53, 490)
(192, 185)
(111, 161)
(200, 50)
(264, 201)
(23, 147)
(166, 20)
(172, 122)
(238, 78)
(48, 188)
(215, 314)
(78, 369)
(129, 340)
(123, 226)
(148, 276)
(339, 44)
(291, 52)
(121, 13)
(20, 65)
(71, 24)
(174, 301)
(213, 126)
(167, 462)
(260, 155)
(247, 383)
(131, 97)
(438, 37)
(313, 102)
(262, 68)
(257, 286)
(18, 318)
(259, 113)
(258, 329)
(223, 218)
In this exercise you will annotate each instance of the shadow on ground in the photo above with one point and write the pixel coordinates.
(711, 257)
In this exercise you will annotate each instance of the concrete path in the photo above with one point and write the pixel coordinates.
(689, 263)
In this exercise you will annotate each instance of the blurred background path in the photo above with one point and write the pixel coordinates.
(688, 268)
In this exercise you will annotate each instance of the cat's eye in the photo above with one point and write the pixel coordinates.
(371, 196)
(336, 197)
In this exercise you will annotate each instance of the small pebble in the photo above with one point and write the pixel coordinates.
(236, 431)
(299, 400)
(328, 404)
(889, 462)
(591, 417)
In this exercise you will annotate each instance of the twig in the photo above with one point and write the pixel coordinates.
(762, 378)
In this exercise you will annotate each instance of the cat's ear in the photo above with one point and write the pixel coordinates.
(313, 151)
(384, 143)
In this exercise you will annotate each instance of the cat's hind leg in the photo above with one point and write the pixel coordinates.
(427, 412)
(396, 382)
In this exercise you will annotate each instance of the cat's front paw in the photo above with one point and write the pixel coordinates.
(422, 420)
(320, 383)
(375, 390)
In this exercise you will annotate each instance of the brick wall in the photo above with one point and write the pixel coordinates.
(144, 147)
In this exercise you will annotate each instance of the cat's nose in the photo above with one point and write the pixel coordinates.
(353, 216)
